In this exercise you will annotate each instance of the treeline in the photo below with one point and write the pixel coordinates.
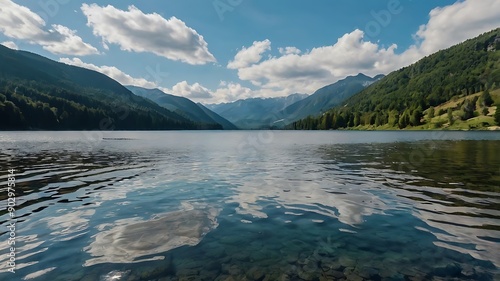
(399, 99)
(28, 105)
(333, 120)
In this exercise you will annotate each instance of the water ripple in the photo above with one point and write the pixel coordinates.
(301, 208)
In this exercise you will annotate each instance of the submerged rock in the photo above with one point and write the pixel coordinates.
(256, 273)
(129, 242)
(347, 261)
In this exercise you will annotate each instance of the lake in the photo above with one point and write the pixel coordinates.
(252, 205)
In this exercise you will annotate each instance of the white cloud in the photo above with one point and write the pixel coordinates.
(194, 91)
(289, 50)
(309, 71)
(19, 22)
(248, 56)
(112, 72)
(136, 31)
(295, 71)
(455, 23)
(10, 44)
(226, 92)
(68, 43)
(230, 91)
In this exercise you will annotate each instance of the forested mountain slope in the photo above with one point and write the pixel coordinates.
(400, 99)
(38, 93)
(182, 106)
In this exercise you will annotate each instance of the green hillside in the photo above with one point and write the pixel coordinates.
(328, 97)
(38, 93)
(399, 100)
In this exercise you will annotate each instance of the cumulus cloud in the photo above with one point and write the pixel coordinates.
(231, 91)
(10, 44)
(248, 56)
(136, 31)
(194, 91)
(295, 71)
(225, 92)
(455, 23)
(289, 50)
(19, 22)
(112, 72)
(323, 65)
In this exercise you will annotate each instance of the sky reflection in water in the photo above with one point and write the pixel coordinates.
(277, 206)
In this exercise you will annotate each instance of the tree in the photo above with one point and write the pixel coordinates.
(341, 123)
(497, 115)
(468, 110)
(404, 120)
(373, 118)
(415, 117)
(357, 118)
(378, 120)
(474, 102)
(486, 98)
(351, 120)
(393, 118)
(431, 113)
(485, 111)
(335, 122)
(326, 121)
(450, 116)
(11, 116)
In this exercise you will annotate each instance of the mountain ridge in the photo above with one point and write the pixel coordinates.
(258, 113)
(328, 96)
(254, 113)
(39, 93)
(400, 99)
(182, 106)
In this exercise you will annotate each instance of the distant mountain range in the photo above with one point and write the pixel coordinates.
(255, 113)
(327, 97)
(259, 113)
(183, 106)
(39, 93)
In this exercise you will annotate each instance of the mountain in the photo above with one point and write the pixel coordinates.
(182, 106)
(327, 97)
(400, 99)
(39, 93)
(255, 113)
(217, 118)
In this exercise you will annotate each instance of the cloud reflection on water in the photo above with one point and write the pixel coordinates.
(130, 240)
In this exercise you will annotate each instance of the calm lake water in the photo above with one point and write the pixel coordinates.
(252, 205)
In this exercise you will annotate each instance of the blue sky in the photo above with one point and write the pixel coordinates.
(223, 50)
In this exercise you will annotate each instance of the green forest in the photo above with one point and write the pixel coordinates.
(28, 106)
(407, 98)
(457, 88)
(40, 94)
